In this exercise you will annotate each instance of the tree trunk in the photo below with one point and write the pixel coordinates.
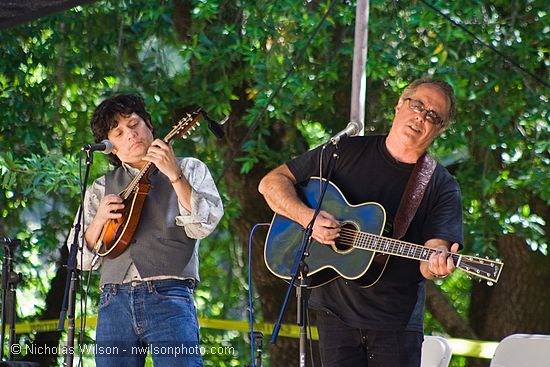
(254, 210)
(516, 303)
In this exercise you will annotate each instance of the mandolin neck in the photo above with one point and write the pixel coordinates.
(144, 174)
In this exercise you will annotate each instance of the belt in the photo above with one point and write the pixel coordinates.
(190, 283)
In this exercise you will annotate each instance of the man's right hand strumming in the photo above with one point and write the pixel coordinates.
(326, 228)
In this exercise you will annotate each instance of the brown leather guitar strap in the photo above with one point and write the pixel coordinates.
(414, 192)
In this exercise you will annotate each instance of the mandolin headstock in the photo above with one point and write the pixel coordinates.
(186, 125)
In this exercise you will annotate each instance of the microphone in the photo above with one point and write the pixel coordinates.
(352, 129)
(105, 147)
(215, 127)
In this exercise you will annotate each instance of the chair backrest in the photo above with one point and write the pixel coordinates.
(531, 350)
(436, 352)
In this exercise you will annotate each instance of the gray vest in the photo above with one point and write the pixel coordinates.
(159, 247)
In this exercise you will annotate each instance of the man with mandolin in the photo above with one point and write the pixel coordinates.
(145, 219)
(379, 323)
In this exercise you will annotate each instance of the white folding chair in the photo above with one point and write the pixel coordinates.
(436, 352)
(516, 350)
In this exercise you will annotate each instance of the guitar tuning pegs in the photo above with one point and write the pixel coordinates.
(490, 284)
(198, 123)
(184, 136)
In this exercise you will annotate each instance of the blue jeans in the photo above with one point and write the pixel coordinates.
(156, 317)
(341, 345)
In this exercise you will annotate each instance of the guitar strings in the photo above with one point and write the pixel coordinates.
(365, 240)
(377, 243)
(353, 237)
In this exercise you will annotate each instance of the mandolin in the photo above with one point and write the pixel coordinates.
(117, 234)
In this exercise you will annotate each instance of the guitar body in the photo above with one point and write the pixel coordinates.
(326, 263)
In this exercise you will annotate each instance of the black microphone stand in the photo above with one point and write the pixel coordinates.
(299, 269)
(69, 297)
(10, 279)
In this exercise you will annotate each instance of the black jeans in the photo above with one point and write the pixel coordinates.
(342, 345)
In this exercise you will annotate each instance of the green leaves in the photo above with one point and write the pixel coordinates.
(231, 58)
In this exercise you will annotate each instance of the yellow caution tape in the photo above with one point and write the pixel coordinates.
(460, 347)
(290, 331)
(473, 348)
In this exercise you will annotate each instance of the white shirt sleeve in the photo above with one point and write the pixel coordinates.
(206, 204)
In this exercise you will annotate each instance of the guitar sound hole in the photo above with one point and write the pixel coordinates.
(348, 232)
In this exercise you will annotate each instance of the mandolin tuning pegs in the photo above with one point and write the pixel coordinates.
(490, 284)
(198, 123)
(184, 136)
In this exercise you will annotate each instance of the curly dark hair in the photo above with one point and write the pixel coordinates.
(107, 114)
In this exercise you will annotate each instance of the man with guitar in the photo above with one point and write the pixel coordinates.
(380, 324)
(146, 302)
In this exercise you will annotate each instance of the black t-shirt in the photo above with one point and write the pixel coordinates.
(366, 172)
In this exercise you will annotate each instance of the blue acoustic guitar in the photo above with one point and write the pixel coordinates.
(361, 252)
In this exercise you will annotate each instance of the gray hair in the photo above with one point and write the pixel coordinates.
(444, 87)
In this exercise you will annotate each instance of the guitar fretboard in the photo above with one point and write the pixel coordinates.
(483, 268)
(390, 246)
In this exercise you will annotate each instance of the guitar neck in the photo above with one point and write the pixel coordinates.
(483, 268)
(390, 246)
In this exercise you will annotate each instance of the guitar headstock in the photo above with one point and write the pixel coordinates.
(484, 268)
(185, 125)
